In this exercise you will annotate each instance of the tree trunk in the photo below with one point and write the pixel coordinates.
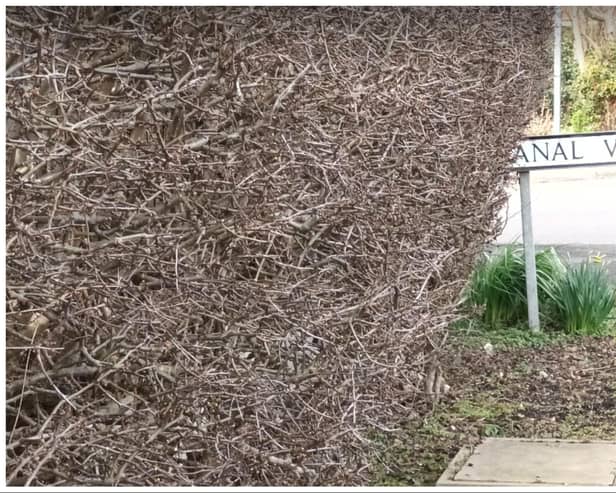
(592, 28)
(610, 24)
(577, 20)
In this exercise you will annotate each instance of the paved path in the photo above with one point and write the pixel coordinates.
(527, 462)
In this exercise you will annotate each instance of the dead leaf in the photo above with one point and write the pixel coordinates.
(117, 408)
(38, 323)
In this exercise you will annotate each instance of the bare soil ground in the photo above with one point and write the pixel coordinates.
(563, 389)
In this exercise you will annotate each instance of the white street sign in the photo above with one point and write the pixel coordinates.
(563, 151)
(553, 151)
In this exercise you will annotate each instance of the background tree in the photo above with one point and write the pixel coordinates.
(588, 70)
(593, 27)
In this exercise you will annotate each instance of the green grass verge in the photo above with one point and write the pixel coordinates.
(473, 333)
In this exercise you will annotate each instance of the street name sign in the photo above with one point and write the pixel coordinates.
(553, 152)
(565, 151)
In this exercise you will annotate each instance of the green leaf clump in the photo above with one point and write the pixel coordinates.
(583, 299)
(575, 299)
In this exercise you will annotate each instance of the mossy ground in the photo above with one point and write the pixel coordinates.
(546, 386)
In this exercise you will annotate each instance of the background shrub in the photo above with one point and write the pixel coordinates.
(593, 91)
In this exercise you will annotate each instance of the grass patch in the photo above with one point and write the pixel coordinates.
(418, 454)
(433, 426)
(405, 461)
(493, 430)
(576, 428)
(483, 408)
(475, 334)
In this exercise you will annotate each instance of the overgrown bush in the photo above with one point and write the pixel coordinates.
(236, 235)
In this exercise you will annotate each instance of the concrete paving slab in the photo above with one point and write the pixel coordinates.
(525, 462)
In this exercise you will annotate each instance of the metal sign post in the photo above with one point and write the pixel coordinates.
(524, 176)
(529, 252)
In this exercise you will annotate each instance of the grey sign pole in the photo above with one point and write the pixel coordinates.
(524, 176)
(529, 252)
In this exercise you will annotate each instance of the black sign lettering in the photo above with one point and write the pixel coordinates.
(573, 149)
(559, 151)
(612, 149)
(536, 150)
(521, 154)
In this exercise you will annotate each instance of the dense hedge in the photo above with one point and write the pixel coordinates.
(235, 236)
